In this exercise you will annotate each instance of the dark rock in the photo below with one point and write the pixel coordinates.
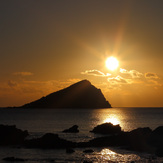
(106, 141)
(79, 95)
(146, 131)
(49, 140)
(88, 151)
(14, 159)
(156, 137)
(87, 161)
(107, 128)
(69, 150)
(10, 135)
(159, 152)
(73, 129)
(138, 139)
(135, 140)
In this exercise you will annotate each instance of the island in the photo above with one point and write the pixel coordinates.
(79, 95)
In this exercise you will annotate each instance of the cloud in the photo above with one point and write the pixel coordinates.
(150, 75)
(118, 80)
(95, 73)
(132, 73)
(12, 84)
(23, 73)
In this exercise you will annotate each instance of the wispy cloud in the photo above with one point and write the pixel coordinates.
(118, 80)
(132, 73)
(23, 73)
(95, 73)
(12, 84)
(150, 75)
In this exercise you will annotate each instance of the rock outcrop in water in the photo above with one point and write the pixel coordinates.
(140, 139)
(79, 95)
(73, 129)
(10, 135)
(107, 128)
(49, 141)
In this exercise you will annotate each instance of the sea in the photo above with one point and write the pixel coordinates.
(41, 121)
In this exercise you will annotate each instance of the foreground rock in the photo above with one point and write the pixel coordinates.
(107, 128)
(156, 140)
(134, 140)
(156, 137)
(49, 141)
(79, 95)
(73, 129)
(70, 150)
(10, 135)
(13, 159)
(88, 151)
(140, 139)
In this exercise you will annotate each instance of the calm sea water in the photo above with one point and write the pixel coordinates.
(41, 121)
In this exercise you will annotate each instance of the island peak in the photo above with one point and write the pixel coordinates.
(78, 95)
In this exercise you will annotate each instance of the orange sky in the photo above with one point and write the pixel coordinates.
(48, 45)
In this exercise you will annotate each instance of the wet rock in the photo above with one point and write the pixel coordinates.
(12, 159)
(73, 129)
(107, 128)
(49, 140)
(106, 141)
(134, 140)
(159, 152)
(156, 137)
(70, 150)
(87, 161)
(10, 135)
(88, 151)
(138, 139)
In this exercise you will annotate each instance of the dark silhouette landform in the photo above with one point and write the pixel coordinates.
(140, 139)
(73, 129)
(79, 95)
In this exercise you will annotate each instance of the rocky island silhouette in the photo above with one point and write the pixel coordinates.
(79, 95)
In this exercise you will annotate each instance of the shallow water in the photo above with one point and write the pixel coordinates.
(41, 121)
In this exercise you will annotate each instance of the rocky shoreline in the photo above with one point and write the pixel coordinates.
(140, 139)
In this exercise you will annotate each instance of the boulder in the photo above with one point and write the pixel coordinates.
(106, 141)
(73, 129)
(70, 150)
(156, 137)
(88, 151)
(134, 140)
(159, 152)
(49, 141)
(13, 159)
(107, 128)
(85, 161)
(138, 139)
(10, 135)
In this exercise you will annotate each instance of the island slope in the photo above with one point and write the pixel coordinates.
(79, 95)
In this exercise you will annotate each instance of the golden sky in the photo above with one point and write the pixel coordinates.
(49, 45)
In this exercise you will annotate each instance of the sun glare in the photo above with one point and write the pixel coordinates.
(112, 63)
(112, 120)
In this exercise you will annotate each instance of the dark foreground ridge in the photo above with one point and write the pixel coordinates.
(79, 95)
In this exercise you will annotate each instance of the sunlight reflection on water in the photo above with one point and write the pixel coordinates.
(113, 120)
(109, 155)
(113, 116)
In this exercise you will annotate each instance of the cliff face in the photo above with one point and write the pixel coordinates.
(79, 95)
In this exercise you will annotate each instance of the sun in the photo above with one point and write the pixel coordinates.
(112, 63)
